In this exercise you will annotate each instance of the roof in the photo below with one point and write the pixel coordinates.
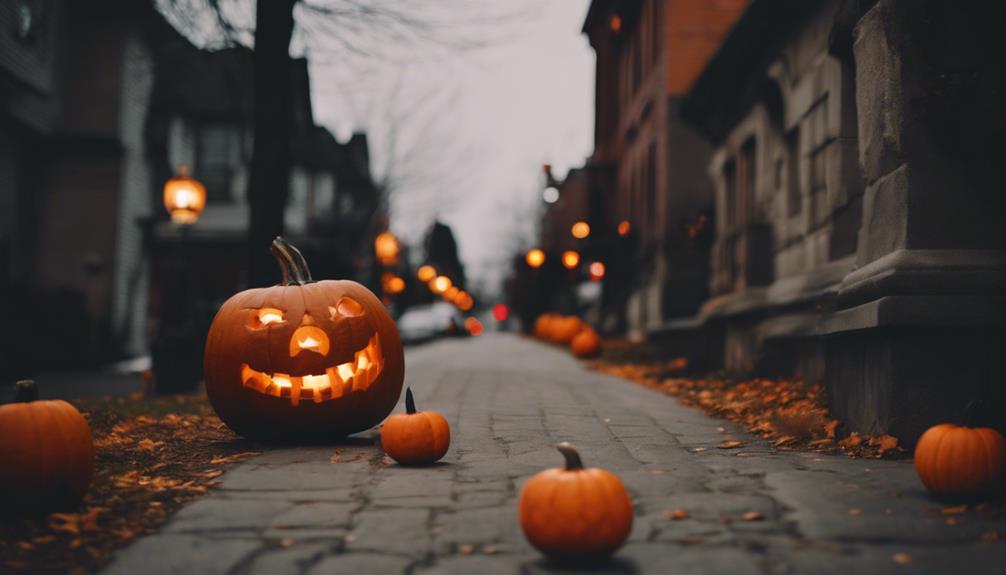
(734, 77)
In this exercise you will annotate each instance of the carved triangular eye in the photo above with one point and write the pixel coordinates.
(347, 306)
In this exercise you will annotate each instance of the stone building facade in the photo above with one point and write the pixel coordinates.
(856, 206)
(647, 161)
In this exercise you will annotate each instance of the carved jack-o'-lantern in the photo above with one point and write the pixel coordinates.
(303, 359)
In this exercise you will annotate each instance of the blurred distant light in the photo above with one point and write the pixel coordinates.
(624, 227)
(570, 259)
(440, 284)
(464, 301)
(452, 293)
(501, 312)
(596, 271)
(386, 248)
(615, 23)
(580, 230)
(535, 258)
(550, 195)
(426, 273)
(473, 326)
(391, 283)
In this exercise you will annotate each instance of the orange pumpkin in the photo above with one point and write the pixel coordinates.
(565, 329)
(46, 454)
(415, 437)
(960, 461)
(303, 359)
(574, 512)
(586, 344)
(543, 325)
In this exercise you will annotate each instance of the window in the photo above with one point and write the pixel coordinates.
(213, 162)
(794, 199)
(819, 141)
(745, 182)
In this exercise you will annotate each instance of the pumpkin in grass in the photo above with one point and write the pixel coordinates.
(46, 454)
(303, 359)
(574, 512)
(960, 461)
(415, 437)
(565, 329)
(586, 344)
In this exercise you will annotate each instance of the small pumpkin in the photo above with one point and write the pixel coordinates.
(46, 454)
(415, 437)
(565, 329)
(543, 326)
(574, 512)
(586, 344)
(303, 359)
(960, 461)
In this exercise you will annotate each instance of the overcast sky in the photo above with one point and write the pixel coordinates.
(464, 130)
(479, 123)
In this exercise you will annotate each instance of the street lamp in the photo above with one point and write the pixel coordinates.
(580, 230)
(570, 259)
(184, 197)
(426, 273)
(535, 258)
(386, 248)
(440, 284)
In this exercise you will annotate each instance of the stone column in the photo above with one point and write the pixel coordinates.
(921, 322)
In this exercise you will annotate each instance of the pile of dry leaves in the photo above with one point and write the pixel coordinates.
(788, 413)
(152, 456)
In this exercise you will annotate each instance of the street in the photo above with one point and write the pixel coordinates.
(349, 509)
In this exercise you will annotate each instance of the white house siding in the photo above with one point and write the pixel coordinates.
(129, 303)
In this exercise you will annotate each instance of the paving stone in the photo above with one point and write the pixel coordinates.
(360, 564)
(290, 560)
(348, 509)
(169, 554)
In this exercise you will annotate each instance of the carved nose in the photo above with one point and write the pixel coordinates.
(308, 338)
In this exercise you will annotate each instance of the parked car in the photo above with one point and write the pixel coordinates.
(425, 322)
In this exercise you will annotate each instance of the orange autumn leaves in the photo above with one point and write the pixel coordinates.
(786, 412)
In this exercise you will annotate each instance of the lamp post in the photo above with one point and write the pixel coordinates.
(177, 353)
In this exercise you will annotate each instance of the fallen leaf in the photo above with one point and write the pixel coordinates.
(490, 549)
(224, 459)
(729, 444)
(954, 510)
(148, 444)
(697, 449)
(884, 443)
(676, 514)
(902, 558)
(752, 516)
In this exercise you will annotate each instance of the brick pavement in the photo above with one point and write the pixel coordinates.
(348, 509)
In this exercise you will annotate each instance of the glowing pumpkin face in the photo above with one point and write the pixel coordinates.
(303, 359)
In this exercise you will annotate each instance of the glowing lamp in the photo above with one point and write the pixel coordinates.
(184, 197)
(550, 195)
(440, 284)
(615, 23)
(452, 293)
(386, 248)
(580, 230)
(501, 312)
(624, 227)
(535, 258)
(392, 284)
(596, 271)
(426, 273)
(464, 301)
(473, 326)
(570, 259)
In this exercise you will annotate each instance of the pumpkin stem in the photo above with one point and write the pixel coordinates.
(26, 391)
(410, 402)
(291, 262)
(573, 461)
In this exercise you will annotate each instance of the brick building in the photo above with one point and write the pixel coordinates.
(649, 164)
(857, 238)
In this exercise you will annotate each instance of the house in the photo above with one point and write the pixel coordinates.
(857, 236)
(99, 103)
(648, 162)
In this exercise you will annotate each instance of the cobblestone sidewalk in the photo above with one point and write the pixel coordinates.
(348, 509)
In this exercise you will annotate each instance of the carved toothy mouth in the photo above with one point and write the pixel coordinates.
(335, 382)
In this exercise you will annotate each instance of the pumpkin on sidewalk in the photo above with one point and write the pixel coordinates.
(960, 461)
(574, 512)
(46, 454)
(303, 359)
(415, 437)
(586, 344)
